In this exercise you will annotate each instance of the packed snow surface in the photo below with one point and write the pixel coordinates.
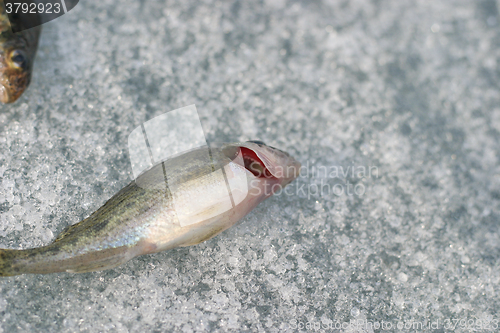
(393, 108)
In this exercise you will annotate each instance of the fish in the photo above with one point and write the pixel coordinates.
(182, 201)
(17, 54)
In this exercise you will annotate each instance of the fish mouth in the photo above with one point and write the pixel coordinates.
(254, 164)
(4, 95)
(264, 161)
(249, 159)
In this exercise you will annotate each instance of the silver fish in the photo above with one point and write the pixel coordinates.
(179, 202)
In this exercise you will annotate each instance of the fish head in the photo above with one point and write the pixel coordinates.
(17, 52)
(15, 66)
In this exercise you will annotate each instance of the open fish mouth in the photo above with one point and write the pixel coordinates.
(4, 94)
(254, 164)
(264, 161)
(249, 155)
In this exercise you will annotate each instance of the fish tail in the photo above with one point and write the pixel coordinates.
(53, 259)
(29, 261)
(8, 259)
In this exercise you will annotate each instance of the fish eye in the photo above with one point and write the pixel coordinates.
(258, 142)
(18, 59)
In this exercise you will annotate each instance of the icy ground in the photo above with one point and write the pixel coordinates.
(405, 93)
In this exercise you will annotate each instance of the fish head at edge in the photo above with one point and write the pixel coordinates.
(17, 52)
